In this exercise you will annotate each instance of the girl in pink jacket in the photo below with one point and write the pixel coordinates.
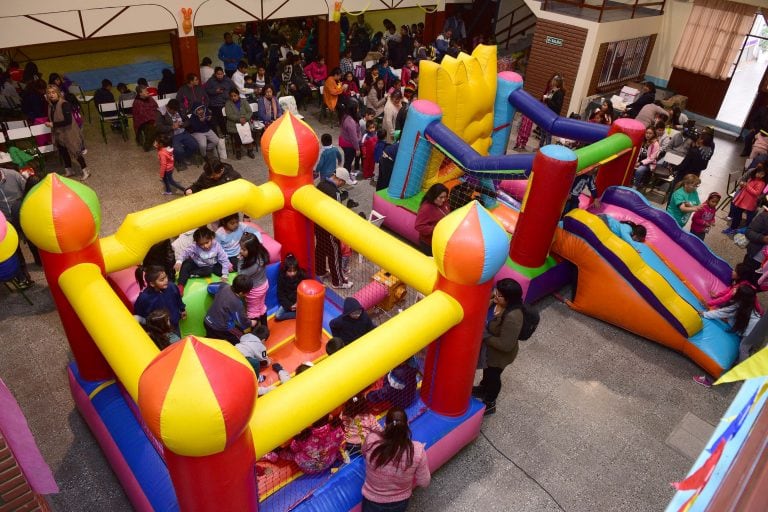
(746, 198)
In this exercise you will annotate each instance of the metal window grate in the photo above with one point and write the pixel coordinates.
(623, 60)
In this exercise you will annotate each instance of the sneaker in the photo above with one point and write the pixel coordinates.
(704, 380)
(262, 378)
(343, 286)
(250, 154)
(23, 284)
(490, 408)
(729, 218)
(728, 231)
(68, 172)
(478, 391)
(277, 367)
(86, 175)
(167, 193)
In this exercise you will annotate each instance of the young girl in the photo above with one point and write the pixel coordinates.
(646, 159)
(158, 295)
(230, 233)
(394, 465)
(165, 156)
(746, 198)
(358, 422)
(684, 200)
(740, 276)
(287, 282)
(704, 218)
(254, 259)
(316, 448)
(742, 316)
(203, 258)
(159, 328)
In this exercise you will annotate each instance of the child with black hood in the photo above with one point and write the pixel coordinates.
(353, 323)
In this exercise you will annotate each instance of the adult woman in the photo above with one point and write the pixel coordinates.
(206, 69)
(33, 100)
(394, 465)
(9, 98)
(391, 109)
(66, 134)
(554, 100)
(646, 158)
(377, 97)
(238, 111)
(500, 342)
(333, 90)
(269, 107)
(433, 207)
(349, 134)
(677, 119)
(144, 112)
(684, 200)
(167, 84)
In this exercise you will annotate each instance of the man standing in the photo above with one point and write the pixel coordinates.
(218, 88)
(230, 54)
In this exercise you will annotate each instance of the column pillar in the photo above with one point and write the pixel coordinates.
(433, 26)
(185, 56)
(332, 57)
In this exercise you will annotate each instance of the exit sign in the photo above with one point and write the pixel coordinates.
(554, 41)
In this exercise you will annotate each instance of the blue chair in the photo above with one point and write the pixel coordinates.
(9, 270)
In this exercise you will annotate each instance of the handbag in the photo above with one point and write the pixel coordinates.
(244, 131)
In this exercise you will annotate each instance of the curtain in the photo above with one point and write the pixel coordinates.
(713, 37)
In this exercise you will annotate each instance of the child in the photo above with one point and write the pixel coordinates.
(358, 422)
(746, 199)
(381, 145)
(159, 295)
(229, 235)
(160, 254)
(202, 259)
(582, 181)
(287, 282)
(165, 156)
(334, 345)
(330, 158)
(704, 218)
(226, 318)
(368, 149)
(740, 313)
(253, 262)
(159, 329)
(252, 347)
(346, 255)
(353, 322)
(400, 386)
(741, 276)
(316, 448)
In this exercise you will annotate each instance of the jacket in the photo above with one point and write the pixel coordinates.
(227, 311)
(501, 338)
(394, 481)
(189, 96)
(165, 155)
(218, 91)
(268, 117)
(144, 111)
(347, 328)
(195, 123)
(651, 155)
(316, 72)
(151, 299)
(349, 133)
(235, 113)
(286, 288)
(747, 198)
(205, 181)
(331, 92)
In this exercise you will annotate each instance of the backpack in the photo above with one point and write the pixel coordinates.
(530, 322)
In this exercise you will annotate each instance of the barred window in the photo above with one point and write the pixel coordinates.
(623, 61)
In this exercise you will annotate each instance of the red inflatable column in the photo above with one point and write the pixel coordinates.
(470, 247)
(290, 149)
(309, 315)
(621, 171)
(554, 168)
(208, 445)
(62, 218)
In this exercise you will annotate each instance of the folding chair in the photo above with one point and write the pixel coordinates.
(23, 139)
(4, 156)
(660, 181)
(108, 113)
(77, 91)
(10, 125)
(730, 189)
(38, 130)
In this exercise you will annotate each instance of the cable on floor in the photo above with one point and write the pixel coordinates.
(524, 471)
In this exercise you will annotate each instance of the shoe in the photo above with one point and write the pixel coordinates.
(277, 367)
(729, 218)
(250, 154)
(167, 193)
(703, 380)
(68, 172)
(262, 378)
(373, 181)
(351, 203)
(728, 231)
(86, 175)
(490, 408)
(343, 286)
(238, 155)
(478, 391)
(23, 284)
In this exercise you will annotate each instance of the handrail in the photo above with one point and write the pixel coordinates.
(633, 7)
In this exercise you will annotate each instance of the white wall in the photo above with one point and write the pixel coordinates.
(670, 33)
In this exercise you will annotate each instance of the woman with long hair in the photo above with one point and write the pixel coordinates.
(67, 136)
(500, 341)
(433, 207)
(394, 465)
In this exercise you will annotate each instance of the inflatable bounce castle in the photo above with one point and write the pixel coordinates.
(457, 133)
(184, 427)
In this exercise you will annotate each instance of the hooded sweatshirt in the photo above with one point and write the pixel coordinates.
(348, 328)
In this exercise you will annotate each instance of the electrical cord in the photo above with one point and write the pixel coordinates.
(524, 471)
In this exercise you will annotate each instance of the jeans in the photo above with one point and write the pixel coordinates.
(284, 314)
(207, 141)
(169, 182)
(640, 175)
(395, 506)
(184, 147)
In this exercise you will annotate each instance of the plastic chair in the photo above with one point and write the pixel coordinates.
(77, 91)
(161, 103)
(23, 139)
(109, 113)
(38, 130)
(730, 189)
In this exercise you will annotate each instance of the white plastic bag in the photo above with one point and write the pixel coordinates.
(222, 149)
(244, 130)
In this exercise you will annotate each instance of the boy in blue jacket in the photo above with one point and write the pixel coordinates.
(330, 158)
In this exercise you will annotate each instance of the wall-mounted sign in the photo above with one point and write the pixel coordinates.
(554, 41)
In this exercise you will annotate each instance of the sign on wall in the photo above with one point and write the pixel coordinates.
(554, 41)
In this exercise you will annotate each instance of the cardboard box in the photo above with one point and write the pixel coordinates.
(676, 100)
(629, 94)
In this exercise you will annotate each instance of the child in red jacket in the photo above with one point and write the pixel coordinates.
(368, 148)
(704, 218)
(746, 198)
(165, 155)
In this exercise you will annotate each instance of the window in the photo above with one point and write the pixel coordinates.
(623, 61)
